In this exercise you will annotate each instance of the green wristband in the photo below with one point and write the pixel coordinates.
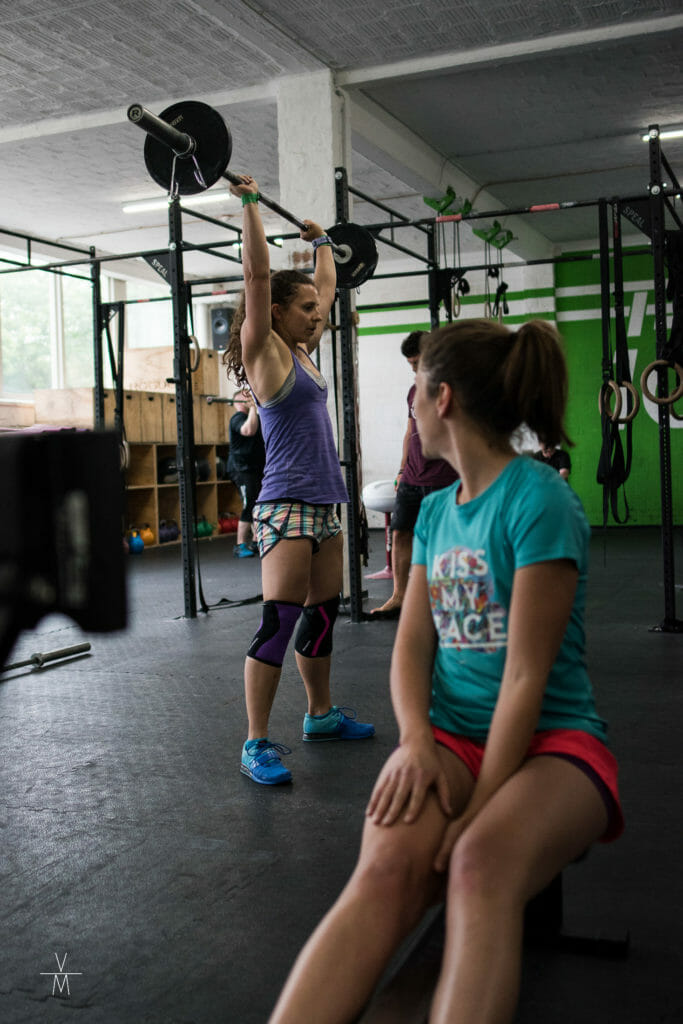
(250, 197)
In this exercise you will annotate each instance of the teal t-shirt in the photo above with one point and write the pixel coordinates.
(528, 514)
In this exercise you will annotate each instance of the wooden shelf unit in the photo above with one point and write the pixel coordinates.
(149, 502)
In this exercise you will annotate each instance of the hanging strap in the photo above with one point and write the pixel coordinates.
(612, 468)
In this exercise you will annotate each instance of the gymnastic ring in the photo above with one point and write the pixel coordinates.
(636, 402)
(195, 344)
(676, 415)
(675, 395)
(456, 303)
(602, 405)
(124, 455)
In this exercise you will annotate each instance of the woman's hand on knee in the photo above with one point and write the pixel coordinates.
(403, 784)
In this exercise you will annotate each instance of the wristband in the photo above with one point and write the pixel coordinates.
(250, 197)
(323, 240)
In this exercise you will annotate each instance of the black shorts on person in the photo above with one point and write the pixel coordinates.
(249, 485)
(407, 505)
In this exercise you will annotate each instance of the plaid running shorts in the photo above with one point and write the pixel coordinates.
(281, 520)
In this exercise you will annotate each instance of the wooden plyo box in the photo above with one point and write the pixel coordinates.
(65, 407)
(205, 380)
(148, 369)
(151, 416)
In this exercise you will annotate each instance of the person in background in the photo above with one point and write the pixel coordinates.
(246, 459)
(555, 457)
(502, 775)
(417, 477)
(277, 325)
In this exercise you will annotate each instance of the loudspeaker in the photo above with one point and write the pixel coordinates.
(221, 318)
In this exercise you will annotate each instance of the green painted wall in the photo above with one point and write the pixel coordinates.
(569, 295)
(577, 300)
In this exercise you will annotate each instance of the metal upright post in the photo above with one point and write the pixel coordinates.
(433, 270)
(183, 390)
(349, 391)
(669, 623)
(95, 277)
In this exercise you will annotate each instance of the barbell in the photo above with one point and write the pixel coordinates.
(188, 148)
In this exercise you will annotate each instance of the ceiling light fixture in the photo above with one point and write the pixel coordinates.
(668, 133)
(203, 199)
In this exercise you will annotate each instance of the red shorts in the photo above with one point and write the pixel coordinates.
(585, 751)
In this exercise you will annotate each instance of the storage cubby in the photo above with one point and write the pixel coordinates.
(151, 501)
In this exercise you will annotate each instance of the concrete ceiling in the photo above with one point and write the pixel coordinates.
(513, 104)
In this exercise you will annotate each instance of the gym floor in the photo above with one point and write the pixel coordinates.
(144, 879)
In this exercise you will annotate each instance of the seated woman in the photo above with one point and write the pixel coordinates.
(502, 775)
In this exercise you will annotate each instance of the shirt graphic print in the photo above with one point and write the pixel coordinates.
(462, 597)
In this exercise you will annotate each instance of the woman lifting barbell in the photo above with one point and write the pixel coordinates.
(278, 323)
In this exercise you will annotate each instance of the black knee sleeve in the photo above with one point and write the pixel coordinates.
(314, 635)
(277, 625)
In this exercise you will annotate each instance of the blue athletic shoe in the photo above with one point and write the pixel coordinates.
(261, 762)
(336, 725)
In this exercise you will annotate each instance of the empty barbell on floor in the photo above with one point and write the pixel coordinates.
(188, 148)
(40, 659)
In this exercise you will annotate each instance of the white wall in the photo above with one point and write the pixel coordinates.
(384, 376)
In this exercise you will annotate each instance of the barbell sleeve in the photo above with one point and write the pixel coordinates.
(181, 143)
(210, 146)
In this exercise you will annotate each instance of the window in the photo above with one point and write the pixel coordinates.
(25, 349)
(77, 321)
(148, 324)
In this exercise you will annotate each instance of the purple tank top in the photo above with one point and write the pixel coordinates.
(302, 463)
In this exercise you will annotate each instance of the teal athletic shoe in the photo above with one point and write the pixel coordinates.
(243, 551)
(336, 725)
(261, 762)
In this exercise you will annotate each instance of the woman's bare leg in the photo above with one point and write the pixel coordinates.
(285, 572)
(547, 814)
(325, 582)
(389, 891)
(401, 551)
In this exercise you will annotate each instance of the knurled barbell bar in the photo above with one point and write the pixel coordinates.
(188, 147)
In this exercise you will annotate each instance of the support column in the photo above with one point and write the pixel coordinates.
(313, 134)
(313, 139)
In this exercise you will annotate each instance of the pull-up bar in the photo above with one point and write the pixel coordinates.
(536, 208)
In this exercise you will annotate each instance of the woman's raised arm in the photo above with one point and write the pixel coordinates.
(255, 333)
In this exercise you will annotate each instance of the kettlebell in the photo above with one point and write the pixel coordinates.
(172, 528)
(168, 531)
(147, 534)
(227, 523)
(136, 544)
(203, 528)
(167, 471)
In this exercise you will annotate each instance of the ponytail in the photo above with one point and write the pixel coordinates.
(232, 357)
(535, 378)
(502, 379)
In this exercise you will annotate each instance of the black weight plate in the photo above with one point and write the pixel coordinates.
(213, 148)
(358, 257)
